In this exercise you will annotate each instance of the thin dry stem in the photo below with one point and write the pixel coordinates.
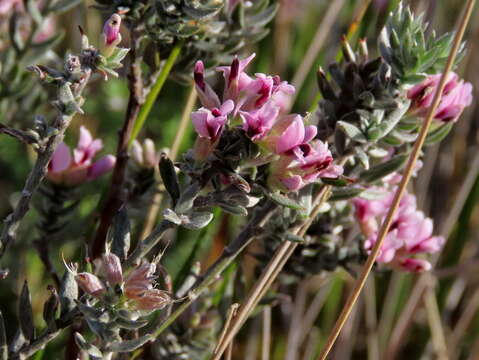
(324, 30)
(462, 325)
(266, 343)
(156, 202)
(371, 319)
(269, 274)
(294, 334)
(402, 186)
(435, 323)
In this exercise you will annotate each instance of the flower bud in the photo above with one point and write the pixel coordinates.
(111, 36)
(111, 267)
(90, 283)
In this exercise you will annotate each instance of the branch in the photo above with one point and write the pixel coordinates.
(61, 123)
(117, 195)
(18, 134)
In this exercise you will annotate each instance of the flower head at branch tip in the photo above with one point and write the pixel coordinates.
(409, 234)
(70, 171)
(456, 95)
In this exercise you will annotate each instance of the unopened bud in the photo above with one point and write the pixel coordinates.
(90, 283)
(111, 267)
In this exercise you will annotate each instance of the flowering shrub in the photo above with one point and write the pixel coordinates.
(311, 190)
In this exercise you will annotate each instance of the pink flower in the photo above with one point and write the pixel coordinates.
(291, 174)
(63, 169)
(409, 234)
(90, 284)
(455, 97)
(140, 280)
(258, 123)
(111, 36)
(111, 267)
(294, 139)
(210, 123)
(153, 299)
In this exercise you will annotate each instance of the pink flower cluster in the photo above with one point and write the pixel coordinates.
(70, 171)
(409, 234)
(454, 98)
(258, 104)
(138, 286)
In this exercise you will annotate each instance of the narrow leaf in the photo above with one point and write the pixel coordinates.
(379, 171)
(25, 314)
(170, 178)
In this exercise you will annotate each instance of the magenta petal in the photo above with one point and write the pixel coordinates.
(100, 167)
(291, 137)
(61, 159)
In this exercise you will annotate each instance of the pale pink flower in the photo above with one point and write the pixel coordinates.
(236, 79)
(454, 98)
(90, 284)
(111, 267)
(294, 139)
(140, 280)
(67, 170)
(153, 299)
(409, 234)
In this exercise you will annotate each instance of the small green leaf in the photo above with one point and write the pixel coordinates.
(437, 135)
(352, 131)
(284, 201)
(345, 193)
(377, 172)
(170, 178)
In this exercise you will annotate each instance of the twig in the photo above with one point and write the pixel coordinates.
(231, 313)
(371, 320)
(402, 186)
(155, 91)
(266, 343)
(269, 274)
(294, 335)
(230, 253)
(446, 230)
(322, 33)
(175, 147)
(116, 195)
(435, 324)
(145, 245)
(60, 124)
(462, 324)
(18, 134)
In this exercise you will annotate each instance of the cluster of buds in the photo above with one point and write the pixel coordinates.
(410, 233)
(454, 98)
(145, 155)
(258, 106)
(68, 170)
(137, 287)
